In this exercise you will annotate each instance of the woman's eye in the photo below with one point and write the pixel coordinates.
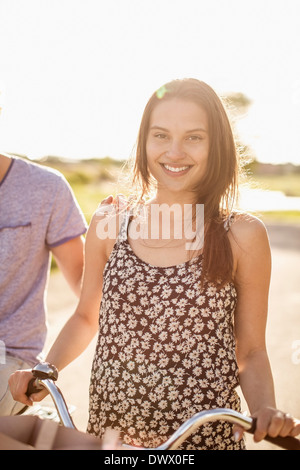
(160, 136)
(194, 138)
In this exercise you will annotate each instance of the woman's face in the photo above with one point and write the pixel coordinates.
(177, 146)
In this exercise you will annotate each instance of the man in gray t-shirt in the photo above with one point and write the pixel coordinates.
(38, 216)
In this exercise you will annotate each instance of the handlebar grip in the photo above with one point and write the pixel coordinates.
(287, 443)
(32, 388)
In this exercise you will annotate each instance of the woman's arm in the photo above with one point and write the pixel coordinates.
(83, 324)
(252, 261)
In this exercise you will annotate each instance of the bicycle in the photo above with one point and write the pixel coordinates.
(45, 377)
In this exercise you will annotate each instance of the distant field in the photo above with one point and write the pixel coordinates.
(289, 184)
(93, 180)
(281, 217)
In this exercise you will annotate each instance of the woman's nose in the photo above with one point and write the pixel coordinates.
(175, 150)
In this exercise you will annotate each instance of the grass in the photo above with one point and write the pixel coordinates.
(280, 217)
(289, 184)
(89, 197)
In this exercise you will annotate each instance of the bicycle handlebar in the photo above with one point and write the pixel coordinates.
(182, 433)
(217, 414)
(57, 397)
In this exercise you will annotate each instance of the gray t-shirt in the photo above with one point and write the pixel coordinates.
(38, 211)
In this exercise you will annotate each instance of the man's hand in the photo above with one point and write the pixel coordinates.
(18, 384)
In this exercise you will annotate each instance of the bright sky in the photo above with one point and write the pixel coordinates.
(75, 75)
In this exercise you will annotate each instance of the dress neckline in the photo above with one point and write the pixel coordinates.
(123, 238)
(190, 262)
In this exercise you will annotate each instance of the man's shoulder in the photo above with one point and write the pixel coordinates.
(39, 176)
(39, 169)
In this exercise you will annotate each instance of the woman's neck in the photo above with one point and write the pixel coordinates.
(169, 220)
(170, 198)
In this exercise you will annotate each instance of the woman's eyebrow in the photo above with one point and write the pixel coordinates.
(198, 129)
(159, 128)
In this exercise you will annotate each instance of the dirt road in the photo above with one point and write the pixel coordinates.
(283, 332)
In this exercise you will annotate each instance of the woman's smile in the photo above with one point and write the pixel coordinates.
(175, 170)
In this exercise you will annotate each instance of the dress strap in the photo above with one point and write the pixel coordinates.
(124, 222)
(229, 221)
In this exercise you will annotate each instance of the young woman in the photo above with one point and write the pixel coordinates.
(179, 328)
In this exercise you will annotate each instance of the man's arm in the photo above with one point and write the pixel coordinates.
(69, 257)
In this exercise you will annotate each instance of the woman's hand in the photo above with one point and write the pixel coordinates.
(18, 384)
(273, 423)
(110, 203)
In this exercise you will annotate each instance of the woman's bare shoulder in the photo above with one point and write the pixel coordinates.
(248, 231)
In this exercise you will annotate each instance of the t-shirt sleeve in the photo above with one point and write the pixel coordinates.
(66, 220)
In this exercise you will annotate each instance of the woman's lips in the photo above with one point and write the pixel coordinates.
(176, 170)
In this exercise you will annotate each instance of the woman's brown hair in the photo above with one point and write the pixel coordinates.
(218, 188)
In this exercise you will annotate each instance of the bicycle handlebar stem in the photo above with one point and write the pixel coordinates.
(59, 402)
